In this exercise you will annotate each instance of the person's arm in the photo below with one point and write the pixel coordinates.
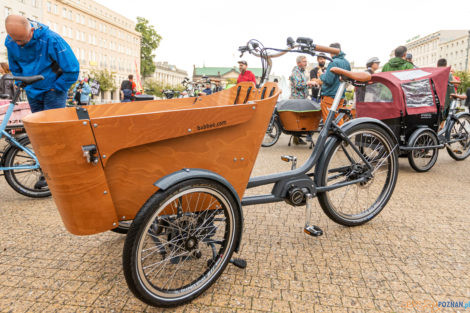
(65, 58)
(15, 68)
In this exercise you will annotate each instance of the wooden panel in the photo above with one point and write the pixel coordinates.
(229, 152)
(151, 141)
(78, 188)
(120, 132)
(295, 121)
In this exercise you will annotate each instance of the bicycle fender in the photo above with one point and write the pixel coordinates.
(417, 132)
(348, 125)
(187, 173)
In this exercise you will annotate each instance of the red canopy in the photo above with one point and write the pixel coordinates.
(406, 89)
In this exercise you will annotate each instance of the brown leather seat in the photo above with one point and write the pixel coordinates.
(457, 96)
(357, 76)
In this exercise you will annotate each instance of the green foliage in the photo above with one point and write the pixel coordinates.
(464, 79)
(105, 78)
(231, 81)
(150, 41)
(349, 95)
(153, 87)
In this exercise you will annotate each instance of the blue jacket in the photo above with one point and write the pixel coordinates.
(85, 94)
(38, 56)
(331, 81)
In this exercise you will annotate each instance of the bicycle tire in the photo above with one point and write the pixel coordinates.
(161, 225)
(342, 168)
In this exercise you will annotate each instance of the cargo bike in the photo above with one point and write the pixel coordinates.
(178, 169)
(412, 104)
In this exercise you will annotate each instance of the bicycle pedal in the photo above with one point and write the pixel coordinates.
(240, 263)
(313, 230)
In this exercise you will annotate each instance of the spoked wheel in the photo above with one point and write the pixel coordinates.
(272, 134)
(123, 227)
(459, 146)
(422, 160)
(358, 203)
(180, 242)
(30, 183)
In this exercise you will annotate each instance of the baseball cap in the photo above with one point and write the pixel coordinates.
(321, 54)
(409, 56)
(243, 62)
(373, 60)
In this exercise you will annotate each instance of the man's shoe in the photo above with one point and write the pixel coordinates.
(41, 183)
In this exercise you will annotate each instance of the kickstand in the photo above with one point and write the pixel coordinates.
(311, 230)
(290, 139)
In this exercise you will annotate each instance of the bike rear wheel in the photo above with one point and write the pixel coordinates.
(272, 134)
(460, 132)
(24, 181)
(180, 242)
(358, 203)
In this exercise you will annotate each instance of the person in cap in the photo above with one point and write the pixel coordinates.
(372, 65)
(399, 62)
(409, 58)
(245, 75)
(316, 72)
(34, 49)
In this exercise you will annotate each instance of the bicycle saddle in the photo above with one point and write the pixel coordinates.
(457, 96)
(28, 80)
(357, 76)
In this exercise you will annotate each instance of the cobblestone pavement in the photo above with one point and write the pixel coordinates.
(417, 250)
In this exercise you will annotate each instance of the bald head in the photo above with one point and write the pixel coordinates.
(19, 29)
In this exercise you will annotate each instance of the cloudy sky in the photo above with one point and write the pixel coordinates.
(208, 32)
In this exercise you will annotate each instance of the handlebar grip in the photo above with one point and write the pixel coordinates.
(327, 49)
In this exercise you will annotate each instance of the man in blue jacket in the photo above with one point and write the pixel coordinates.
(330, 82)
(33, 49)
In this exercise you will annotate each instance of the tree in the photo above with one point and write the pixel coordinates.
(105, 78)
(153, 87)
(150, 41)
(464, 81)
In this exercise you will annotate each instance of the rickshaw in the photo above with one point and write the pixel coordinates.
(411, 103)
(178, 170)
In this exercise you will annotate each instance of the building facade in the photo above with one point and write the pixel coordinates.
(453, 45)
(169, 75)
(100, 38)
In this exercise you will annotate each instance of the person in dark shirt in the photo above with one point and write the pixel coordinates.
(314, 74)
(128, 89)
(372, 65)
(208, 90)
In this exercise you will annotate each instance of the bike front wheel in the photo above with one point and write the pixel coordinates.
(28, 182)
(358, 203)
(459, 146)
(180, 242)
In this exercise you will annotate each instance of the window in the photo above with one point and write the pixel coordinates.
(56, 9)
(34, 3)
(7, 11)
(418, 93)
(82, 19)
(374, 93)
(64, 12)
(22, 13)
(77, 35)
(64, 31)
(49, 7)
(70, 15)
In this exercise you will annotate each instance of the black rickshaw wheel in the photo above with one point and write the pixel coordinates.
(460, 133)
(358, 203)
(422, 160)
(180, 242)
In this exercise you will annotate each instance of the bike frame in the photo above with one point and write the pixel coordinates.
(13, 141)
(299, 176)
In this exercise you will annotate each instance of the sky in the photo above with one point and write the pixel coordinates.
(209, 32)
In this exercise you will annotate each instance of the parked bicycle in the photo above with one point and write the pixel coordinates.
(18, 161)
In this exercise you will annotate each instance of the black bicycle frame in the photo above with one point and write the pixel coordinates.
(299, 177)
